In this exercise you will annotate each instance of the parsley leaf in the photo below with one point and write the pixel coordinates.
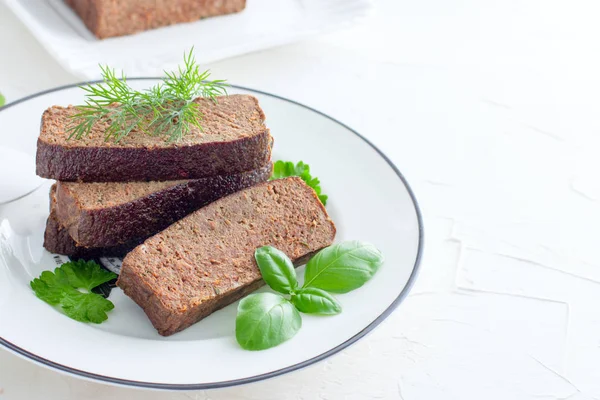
(69, 287)
(86, 275)
(86, 307)
(51, 286)
(283, 169)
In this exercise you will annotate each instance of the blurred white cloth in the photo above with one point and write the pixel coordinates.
(263, 24)
(16, 175)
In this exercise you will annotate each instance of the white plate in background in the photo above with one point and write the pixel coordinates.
(263, 24)
(369, 200)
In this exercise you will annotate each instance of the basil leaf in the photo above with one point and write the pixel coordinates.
(343, 267)
(265, 320)
(276, 269)
(2, 100)
(311, 300)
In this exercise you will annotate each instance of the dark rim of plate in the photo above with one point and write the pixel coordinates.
(215, 385)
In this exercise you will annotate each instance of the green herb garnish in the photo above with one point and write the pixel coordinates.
(311, 300)
(283, 169)
(2, 100)
(70, 287)
(276, 269)
(166, 109)
(343, 267)
(265, 320)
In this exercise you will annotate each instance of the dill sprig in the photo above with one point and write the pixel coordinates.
(166, 109)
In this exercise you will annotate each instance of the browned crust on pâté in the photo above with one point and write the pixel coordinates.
(147, 215)
(58, 241)
(234, 139)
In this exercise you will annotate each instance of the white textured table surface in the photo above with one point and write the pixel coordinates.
(490, 110)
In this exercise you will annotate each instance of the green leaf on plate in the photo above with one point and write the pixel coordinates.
(276, 269)
(86, 274)
(311, 300)
(51, 286)
(60, 288)
(265, 320)
(343, 267)
(86, 307)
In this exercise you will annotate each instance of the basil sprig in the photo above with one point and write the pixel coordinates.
(265, 320)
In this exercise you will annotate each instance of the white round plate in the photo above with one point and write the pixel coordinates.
(369, 200)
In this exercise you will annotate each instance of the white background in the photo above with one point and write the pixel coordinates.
(490, 109)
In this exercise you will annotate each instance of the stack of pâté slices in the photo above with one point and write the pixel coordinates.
(186, 215)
